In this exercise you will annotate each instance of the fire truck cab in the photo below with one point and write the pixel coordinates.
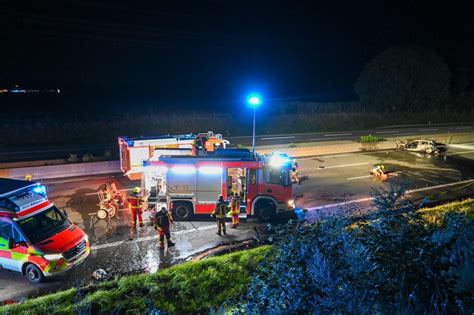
(190, 185)
(36, 238)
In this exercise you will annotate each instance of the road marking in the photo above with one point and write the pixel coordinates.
(429, 129)
(439, 186)
(389, 131)
(277, 138)
(463, 152)
(331, 205)
(359, 177)
(151, 237)
(337, 166)
(372, 198)
(338, 134)
(462, 128)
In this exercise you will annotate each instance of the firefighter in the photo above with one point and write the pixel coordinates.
(163, 220)
(135, 201)
(219, 213)
(235, 210)
(378, 170)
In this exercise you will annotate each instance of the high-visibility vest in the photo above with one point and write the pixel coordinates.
(135, 202)
(220, 210)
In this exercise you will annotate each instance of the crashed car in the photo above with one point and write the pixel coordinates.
(424, 146)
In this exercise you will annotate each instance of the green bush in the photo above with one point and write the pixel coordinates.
(369, 139)
(87, 158)
(395, 260)
(73, 158)
(292, 145)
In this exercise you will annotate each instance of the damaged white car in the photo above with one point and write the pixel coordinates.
(424, 146)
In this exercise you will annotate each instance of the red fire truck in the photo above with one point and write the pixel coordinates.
(190, 185)
(36, 238)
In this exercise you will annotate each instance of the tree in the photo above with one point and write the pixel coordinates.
(404, 79)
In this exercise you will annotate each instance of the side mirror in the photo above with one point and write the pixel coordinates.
(11, 243)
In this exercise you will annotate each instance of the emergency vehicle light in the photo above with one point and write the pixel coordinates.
(210, 170)
(40, 189)
(183, 170)
(278, 160)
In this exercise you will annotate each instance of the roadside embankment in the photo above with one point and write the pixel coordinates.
(44, 169)
(187, 288)
(424, 253)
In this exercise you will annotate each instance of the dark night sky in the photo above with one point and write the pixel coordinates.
(200, 50)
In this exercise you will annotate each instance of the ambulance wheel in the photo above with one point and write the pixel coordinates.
(182, 211)
(33, 273)
(265, 211)
(102, 214)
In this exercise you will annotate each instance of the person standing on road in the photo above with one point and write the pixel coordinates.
(136, 203)
(219, 213)
(163, 220)
(235, 210)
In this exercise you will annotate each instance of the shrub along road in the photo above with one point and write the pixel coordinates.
(330, 180)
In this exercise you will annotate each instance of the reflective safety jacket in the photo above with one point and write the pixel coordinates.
(135, 201)
(220, 210)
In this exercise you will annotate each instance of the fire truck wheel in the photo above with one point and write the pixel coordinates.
(265, 211)
(182, 211)
(33, 273)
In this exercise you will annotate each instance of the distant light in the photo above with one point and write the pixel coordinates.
(41, 189)
(183, 170)
(210, 170)
(254, 100)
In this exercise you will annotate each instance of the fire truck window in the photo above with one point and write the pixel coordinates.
(6, 230)
(279, 176)
(252, 177)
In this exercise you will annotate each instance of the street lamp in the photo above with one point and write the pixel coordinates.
(254, 100)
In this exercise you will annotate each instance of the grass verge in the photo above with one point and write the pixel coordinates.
(187, 288)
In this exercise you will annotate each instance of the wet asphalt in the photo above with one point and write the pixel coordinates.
(327, 180)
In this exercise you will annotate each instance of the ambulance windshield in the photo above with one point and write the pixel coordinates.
(43, 225)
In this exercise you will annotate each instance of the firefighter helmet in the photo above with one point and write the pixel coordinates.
(136, 190)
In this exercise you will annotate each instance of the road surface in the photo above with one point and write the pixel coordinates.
(330, 183)
(62, 152)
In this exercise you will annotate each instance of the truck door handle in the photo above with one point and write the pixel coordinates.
(269, 190)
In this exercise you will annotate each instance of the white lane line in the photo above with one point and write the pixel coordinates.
(277, 138)
(338, 134)
(439, 186)
(462, 152)
(389, 131)
(152, 237)
(429, 129)
(331, 205)
(337, 166)
(462, 128)
(359, 177)
(407, 192)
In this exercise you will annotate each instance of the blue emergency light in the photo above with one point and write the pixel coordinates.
(40, 189)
